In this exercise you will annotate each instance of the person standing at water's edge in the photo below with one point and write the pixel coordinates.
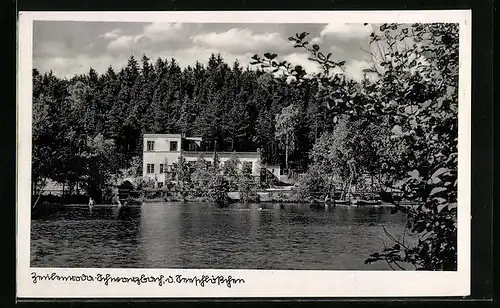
(116, 200)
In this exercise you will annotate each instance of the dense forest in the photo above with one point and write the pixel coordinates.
(221, 102)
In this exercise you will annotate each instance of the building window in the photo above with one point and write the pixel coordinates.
(173, 145)
(151, 146)
(192, 147)
(160, 184)
(161, 168)
(150, 168)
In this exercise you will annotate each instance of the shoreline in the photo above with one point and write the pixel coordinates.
(146, 202)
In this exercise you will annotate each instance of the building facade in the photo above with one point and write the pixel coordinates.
(162, 151)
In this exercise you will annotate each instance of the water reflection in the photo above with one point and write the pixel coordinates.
(159, 232)
(80, 237)
(192, 235)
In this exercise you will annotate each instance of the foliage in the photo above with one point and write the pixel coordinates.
(416, 93)
(218, 189)
(98, 160)
(313, 185)
(230, 170)
(215, 168)
(42, 161)
(247, 186)
(352, 149)
(201, 177)
(285, 128)
(426, 122)
(135, 169)
(145, 183)
(182, 175)
(333, 152)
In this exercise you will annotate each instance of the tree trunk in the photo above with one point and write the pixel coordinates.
(33, 188)
(286, 154)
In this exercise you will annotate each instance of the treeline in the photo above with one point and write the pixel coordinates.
(228, 105)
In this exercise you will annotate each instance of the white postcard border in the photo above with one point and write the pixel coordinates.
(258, 283)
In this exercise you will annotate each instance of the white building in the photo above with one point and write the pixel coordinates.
(162, 151)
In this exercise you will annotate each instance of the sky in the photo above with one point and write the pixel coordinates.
(69, 48)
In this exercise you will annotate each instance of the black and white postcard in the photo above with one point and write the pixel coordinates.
(243, 154)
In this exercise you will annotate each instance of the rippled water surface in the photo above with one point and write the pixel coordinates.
(202, 235)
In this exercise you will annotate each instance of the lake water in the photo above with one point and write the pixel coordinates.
(203, 235)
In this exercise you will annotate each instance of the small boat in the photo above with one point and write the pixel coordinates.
(342, 201)
(362, 202)
(105, 205)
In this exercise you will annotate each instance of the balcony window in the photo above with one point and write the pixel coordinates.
(173, 145)
(150, 146)
(150, 168)
(162, 168)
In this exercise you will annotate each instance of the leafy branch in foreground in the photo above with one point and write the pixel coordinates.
(416, 95)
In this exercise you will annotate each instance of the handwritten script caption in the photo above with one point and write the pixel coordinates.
(160, 280)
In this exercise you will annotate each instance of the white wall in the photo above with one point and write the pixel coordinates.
(161, 154)
(274, 170)
(157, 158)
(162, 144)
